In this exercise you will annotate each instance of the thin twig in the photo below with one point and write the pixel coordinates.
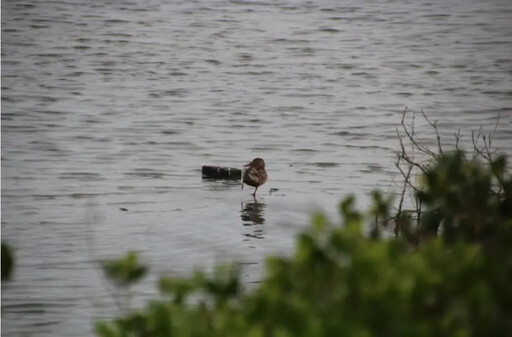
(400, 204)
(496, 125)
(418, 211)
(434, 125)
(410, 135)
(457, 139)
(475, 139)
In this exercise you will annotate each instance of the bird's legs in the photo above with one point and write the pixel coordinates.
(254, 194)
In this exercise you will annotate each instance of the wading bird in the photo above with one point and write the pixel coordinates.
(255, 174)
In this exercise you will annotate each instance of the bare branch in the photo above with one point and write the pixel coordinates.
(407, 177)
(434, 126)
(475, 139)
(403, 115)
(457, 139)
(410, 135)
(496, 126)
(409, 166)
(490, 152)
(402, 195)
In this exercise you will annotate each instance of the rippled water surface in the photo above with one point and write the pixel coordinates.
(109, 109)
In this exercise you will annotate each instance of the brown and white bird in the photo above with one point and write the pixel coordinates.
(255, 174)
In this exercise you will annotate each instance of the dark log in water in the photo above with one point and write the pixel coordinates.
(216, 172)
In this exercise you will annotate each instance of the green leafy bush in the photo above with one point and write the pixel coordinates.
(471, 203)
(342, 282)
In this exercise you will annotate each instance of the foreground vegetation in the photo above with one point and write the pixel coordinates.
(448, 272)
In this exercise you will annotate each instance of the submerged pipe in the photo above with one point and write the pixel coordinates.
(217, 172)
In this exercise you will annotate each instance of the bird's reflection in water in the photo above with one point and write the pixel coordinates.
(252, 215)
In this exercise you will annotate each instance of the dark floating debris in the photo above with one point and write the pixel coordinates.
(216, 172)
(273, 190)
(123, 209)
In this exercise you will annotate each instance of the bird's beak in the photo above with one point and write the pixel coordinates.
(248, 164)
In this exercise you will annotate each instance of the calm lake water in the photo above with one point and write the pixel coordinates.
(111, 105)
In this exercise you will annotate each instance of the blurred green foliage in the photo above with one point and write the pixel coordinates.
(7, 262)
(126, 270)
(469, 202)
(450, 277)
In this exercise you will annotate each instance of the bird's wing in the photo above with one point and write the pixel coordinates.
(253, 175)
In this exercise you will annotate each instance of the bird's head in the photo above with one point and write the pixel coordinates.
(256, 163)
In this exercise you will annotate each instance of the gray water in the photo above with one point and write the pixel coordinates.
(111, 105)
